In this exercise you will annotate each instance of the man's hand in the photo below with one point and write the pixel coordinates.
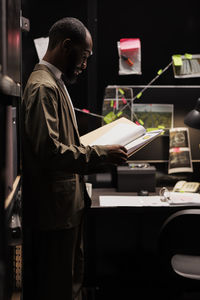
(117, 154)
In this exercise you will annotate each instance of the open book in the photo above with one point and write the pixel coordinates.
(123, 132)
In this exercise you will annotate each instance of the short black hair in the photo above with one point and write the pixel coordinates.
(67, 28)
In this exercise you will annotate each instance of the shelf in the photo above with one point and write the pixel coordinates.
(9, 87)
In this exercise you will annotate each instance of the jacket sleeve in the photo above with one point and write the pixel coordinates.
(41, 123)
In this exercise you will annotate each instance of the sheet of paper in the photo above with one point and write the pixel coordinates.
(120, 134)
(175, 199)
(117, 201)
(41, 46)
(143, 139)
(185, 198)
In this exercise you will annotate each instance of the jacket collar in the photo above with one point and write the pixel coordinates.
(44, 67)
(53, 68)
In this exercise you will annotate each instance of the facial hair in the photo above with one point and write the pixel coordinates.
(70, 77)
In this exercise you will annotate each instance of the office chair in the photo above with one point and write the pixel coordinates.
(179, 254)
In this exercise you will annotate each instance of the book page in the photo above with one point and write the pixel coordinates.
(123, 132)
(90, 137)
(120, 134)
(143, 140)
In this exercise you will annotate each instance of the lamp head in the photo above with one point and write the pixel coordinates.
(192, 119)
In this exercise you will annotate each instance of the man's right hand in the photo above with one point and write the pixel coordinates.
(117, 154)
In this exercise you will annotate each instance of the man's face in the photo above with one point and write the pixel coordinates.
(77, 60)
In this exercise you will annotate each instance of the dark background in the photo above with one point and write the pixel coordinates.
(163, 28)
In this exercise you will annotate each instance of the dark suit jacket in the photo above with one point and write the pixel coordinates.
(53, 159)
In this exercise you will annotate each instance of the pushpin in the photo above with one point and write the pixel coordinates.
(85, 110)
(124, 100)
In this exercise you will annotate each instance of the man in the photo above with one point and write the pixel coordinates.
(54, 162)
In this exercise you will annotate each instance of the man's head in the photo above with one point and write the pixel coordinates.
(70, 45)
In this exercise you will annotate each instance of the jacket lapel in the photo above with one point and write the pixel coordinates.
(66, 96)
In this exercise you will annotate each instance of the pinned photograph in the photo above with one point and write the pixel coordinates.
(186, 66)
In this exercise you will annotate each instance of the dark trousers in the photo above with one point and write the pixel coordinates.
(53, 264)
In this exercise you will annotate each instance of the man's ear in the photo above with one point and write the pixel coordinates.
(67, 45)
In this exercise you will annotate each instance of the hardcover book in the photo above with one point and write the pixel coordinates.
(121, 131)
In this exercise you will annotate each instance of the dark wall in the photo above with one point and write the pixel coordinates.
(164, 28)
(42, 14)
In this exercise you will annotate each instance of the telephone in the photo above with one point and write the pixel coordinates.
(187, 187)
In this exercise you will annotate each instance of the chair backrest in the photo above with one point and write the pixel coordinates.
(179, 245)
(187, 266)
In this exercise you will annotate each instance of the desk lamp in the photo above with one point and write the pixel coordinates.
(192, 119)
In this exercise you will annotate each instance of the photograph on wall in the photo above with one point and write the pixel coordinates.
(113, 107)
(179, 151)
(129, 51)
(117, 103)
(179, 138)
(186, 66)
(155, 115)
